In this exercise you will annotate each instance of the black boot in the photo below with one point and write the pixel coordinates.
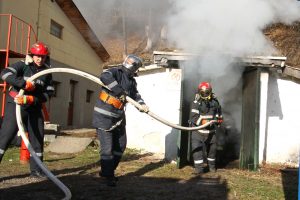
(35, 171)
(115, 177)
(1, 156)
(212, 166)
(37, 174)
(199, 169)
(111, 181)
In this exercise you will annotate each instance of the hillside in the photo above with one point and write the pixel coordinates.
(285, 38)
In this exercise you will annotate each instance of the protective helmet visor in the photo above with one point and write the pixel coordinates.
(132, 63)
(205, 92)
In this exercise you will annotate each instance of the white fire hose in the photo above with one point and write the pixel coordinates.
(97, 80)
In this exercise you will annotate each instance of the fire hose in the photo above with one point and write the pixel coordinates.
(95, 79)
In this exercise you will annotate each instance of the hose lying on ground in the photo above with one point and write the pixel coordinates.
(96, 80)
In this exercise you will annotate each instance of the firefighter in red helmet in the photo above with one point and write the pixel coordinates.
(36, 93)
(205, 107)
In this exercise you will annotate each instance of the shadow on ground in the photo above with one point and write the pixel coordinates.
(136, 185)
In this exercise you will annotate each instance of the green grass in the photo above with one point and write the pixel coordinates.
(261, 185)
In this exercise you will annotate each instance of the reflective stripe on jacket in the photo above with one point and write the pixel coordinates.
(119, 82)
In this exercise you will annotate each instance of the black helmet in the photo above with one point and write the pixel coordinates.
(132, 63)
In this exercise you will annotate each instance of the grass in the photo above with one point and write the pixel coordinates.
(267, 183)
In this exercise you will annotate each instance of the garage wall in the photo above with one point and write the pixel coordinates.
(280, 137)
(161, 92)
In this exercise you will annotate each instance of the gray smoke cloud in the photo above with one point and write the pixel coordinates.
(106, 16)
(219, 31)
(232, 26)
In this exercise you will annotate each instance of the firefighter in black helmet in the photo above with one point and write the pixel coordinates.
(35, 94)
(109, 114)
(205, 107)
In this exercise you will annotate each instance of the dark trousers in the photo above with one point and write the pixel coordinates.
(204, 148)
(112, 147)
(33, 123)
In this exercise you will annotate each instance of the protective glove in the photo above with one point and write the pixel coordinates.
(122, 98)
(24, 99)
(29, 86)
(144, 108)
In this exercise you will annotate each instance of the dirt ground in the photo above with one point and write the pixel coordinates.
(142, 176)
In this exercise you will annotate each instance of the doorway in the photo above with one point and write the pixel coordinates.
(71, 102)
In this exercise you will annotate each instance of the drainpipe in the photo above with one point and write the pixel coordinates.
(38, 20)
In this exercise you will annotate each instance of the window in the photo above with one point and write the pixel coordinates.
(89, 95)
(56, 86)
(56, 29)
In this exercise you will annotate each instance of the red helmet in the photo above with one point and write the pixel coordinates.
(205, 90)
(39, 48)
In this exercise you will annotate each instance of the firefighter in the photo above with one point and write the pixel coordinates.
(109, 114)
(36, 93)
(205, 107)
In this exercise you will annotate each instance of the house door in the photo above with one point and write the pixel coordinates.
(71, 102)
(249, 149)
(189, 83)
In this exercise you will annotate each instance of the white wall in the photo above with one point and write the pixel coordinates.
(161, 92)
(282, 125)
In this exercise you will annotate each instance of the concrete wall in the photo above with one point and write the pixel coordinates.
(279, 119)
(279, 122)
(161, 92)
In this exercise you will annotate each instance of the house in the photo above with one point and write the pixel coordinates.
(72, 44)
(264, 102)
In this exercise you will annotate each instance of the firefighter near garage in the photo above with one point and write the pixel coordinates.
(36, 93)
(205, 108)
(109, 114)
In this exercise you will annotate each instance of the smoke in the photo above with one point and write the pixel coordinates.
(219, 31)
(106, 17)
(232, 26)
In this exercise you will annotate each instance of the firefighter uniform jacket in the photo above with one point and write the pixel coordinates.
(205, 110)
(106, 116)
(17, 74)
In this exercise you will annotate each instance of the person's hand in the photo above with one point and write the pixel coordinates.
(144, 108)
(29, 86)
(24, 99)
(122, 98)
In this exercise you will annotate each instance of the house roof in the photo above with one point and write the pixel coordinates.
(72, 12)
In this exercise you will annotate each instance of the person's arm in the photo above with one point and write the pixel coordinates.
(44, 90)
(138, 98)
(219, 115)
(194, 114)
(108, 78)
(13, 75)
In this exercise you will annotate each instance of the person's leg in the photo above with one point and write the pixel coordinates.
(36, 138)
(106, 156)
(197, 152)
(119, 144)
(9, 128)
(211, 157)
